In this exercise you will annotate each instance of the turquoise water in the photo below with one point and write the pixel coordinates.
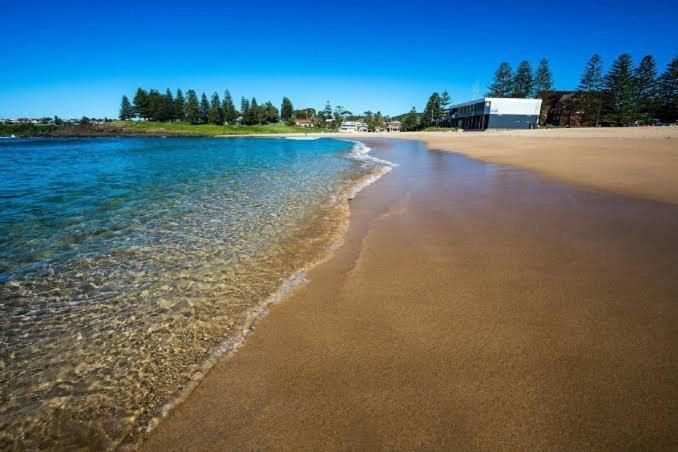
(127, 265)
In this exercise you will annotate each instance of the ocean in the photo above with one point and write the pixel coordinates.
(129, 265)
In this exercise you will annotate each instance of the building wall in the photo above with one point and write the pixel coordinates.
(514, 106)
(513, 121)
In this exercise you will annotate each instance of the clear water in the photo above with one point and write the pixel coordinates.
(128, 264)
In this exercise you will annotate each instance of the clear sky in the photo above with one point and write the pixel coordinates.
(75, 58)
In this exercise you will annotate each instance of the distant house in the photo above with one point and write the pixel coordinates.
(304, 122)
(393, 126)
(353, 126)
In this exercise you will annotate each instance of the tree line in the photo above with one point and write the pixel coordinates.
(155, 106)
(623, 95)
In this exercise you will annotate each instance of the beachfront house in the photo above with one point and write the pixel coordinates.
(304, 122)
(393, 126)
(353, 126)
(495, 113)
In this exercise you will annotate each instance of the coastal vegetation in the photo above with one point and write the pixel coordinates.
(141, 128)
(625, 95)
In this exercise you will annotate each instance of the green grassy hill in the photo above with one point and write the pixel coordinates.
(135, 128)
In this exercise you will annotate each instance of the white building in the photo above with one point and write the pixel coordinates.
(496, 113)
(353, 126)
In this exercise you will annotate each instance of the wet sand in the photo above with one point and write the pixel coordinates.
(633, 161)
(473, 306)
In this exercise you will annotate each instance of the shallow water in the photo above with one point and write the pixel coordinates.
(127, 265)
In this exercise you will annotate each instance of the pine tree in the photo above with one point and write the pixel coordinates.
(543, 80)
(590, 91)
(432, 112)
(126, 109)
(327, 112)
(667, 97)
(620, 87)
(179, 106)
(523, 83)
(254, 116)
(286, 110)
(141, 103)
(410, 120)
(502, 86)
(154, 105)
(230, 113)
(214, 114)
(204, 109)
(646, 88)
(166, 107)
(192, 112)
(245, 110)
(445, 101)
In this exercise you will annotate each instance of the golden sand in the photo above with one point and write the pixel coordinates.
(472, 306)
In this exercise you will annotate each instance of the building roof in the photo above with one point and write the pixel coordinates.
(516, 100)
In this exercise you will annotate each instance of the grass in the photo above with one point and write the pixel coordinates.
(184, 128)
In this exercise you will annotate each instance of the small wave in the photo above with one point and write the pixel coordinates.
(361, 152)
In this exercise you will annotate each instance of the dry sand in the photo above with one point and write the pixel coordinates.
(473, 306)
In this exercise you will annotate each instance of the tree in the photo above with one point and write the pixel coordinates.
(667, 96)
(192, 112)
(305, 113)
(523, 83)
(166, 107)
(502, 85)
(244, 109)
(445, 101)
(126, 109)
(214, 114)
(154, 105)
(543, 80)
(590, 91)
(286, 110)
(646, 88)
(269, 113)
(432, 112)
(339, 114)
(179, 106)
(141, 103)
(369, 120)
(410, 120)
(620, 87)
(230, 113)
(254, 113)
(379, 121)
(204, 109)
(327, 111)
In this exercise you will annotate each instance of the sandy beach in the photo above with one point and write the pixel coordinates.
(473, 306)
(634, 161)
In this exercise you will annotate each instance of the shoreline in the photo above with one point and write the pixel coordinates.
(633, 161)
(296, 280)
(333, 345)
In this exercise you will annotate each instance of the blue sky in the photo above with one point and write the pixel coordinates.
(74, 58)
